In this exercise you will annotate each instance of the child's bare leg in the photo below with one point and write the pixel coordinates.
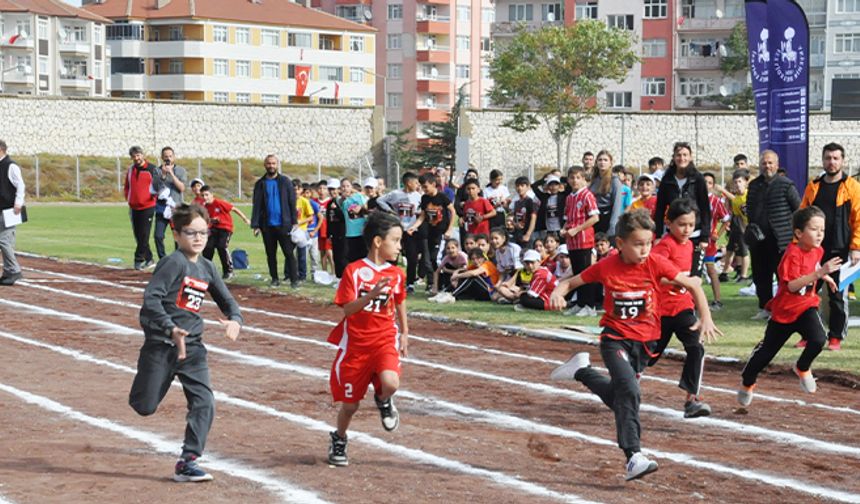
(389, 383)
(344, 417)
(715, 280)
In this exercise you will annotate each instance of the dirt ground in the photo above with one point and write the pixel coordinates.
(477, 425)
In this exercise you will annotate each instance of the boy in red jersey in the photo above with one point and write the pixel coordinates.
(647, 199)
(720, 218)
(540, 288)
(581, 214)
(676, 305)
(795, 306)
(372, 293)
(477, 211)
(220, 229)
(631, 279)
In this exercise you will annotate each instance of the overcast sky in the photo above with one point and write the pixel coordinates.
(76, 3)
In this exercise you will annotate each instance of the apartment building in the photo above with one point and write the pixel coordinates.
(237, 51)
(48, 47)
(842, 42)
(429, 52)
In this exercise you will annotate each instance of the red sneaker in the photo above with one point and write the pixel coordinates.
(835, 344)
(800, 344)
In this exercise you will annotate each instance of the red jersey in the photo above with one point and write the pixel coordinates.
(674, 299)
(719, 212)
(219, 215)
(631, 295)
(473, 208)
(198, 200)
(578, 208)
(542, 284)
(787, 306)
(374, 325)
(322, 225)
(649, 203)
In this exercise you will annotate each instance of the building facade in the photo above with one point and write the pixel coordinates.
(48, 47)
(237, 51)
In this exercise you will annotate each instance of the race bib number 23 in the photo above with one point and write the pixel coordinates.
(191, 294)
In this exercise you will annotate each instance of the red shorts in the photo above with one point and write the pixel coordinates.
(324, 243)
(354, 369)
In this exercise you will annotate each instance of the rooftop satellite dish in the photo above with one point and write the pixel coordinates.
(723, 51)
(724, 91)
(718, 13)
(368, 15)
(550, 17)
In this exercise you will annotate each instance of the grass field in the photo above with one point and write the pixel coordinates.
(101, 233)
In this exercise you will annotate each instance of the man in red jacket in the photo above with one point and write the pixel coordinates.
(140, 193)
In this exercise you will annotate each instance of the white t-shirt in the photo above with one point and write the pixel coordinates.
(497, 196)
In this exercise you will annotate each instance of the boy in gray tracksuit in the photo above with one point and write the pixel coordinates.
(173, 329)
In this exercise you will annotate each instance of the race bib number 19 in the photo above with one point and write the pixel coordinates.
(629, 305)
(191, 294)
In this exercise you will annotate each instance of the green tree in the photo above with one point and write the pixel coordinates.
(736, 61)
(403, 151)
(553, 76)
(442, 138)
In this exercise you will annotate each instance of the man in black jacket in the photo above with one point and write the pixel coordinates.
(683, 180)
(771, 201)
(274, 215)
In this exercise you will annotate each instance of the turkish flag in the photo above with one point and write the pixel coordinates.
(303, 75)
(13, 38)
(336, 90)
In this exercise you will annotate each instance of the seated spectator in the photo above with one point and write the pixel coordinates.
(563, 267)
(509, 291)
(647, 199)
(506, 254)
(453, 261)
(541, 287)
(551, 243)
(478, 282)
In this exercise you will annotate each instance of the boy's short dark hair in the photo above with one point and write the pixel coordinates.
(482, 236)
(832, 147)
(657, 160)
(205, 188)
(637, 220)
(587, 153)
(427, 178)
(184, 214)
(297, 183)
(802, 217)
(379, 224)
(469, 236)
(618, 169)
(552, 235)
(711, 175)
(135, 149)
(741, 173)
(600, 236)
(522, 181)
(740, 157)
(573, 170)
(471, 181)
(475, 253)
(408, 176)
(679, 207)
(494, 174)
(306, 186)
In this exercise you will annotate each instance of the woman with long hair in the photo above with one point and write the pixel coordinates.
(608, 192)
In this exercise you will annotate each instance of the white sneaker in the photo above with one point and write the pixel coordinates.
(748, 291)
(519, 308)
(586, 311)
(761, 315)
(446, 297)
(639, 465)
(745, 395)
(572, 310)
(568, 370)
(807, 381)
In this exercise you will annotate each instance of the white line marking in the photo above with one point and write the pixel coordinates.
(412, 454)
(494, 418)
(285, 490)
(4, 500)
(477, 348)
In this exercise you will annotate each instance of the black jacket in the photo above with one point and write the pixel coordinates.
(260, 211)
(770, 204)
(537, 187)
(695, 190)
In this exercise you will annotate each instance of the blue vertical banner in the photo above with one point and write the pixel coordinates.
(759, 61)
(788, 84)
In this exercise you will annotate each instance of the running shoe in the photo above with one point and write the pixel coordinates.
(695, 408)
(745, 395)
(337, 450)
(716, 305)
(835, 344)
(519, 308)
(639, 465)
(567, 371)
(388, 413)
(187, 470)
(800, 344)
(761, 315)
(586, 311)
(807, 381)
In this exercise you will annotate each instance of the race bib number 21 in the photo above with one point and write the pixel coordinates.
(191, 294)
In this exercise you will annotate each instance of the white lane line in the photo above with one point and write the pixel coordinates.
(283, 489)
(782, 437)
(494, 418)
(4, 500)
(412, 454)
(477, 348)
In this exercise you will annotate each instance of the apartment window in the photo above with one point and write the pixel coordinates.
(329, 43)
(463, 71)
(520, 12)
(74, 69)
(271, 38)
(127, 65)
(331, 73)
(395, 100)
(654, 86)
(329, 101)
(356, 75)
(243, 36)
(846, 76)
(270, 70)
(428, 12)
(620, 99)
(243, 68)
(735, 9)
(655, 9)
(243, 97)
(356, 44)
(222, 68)
(622, 22)
(551, 12)
(23, 28)
(221, 97)
(488, 15)
(356, 102)
(220, 34)
(395, 71)
(395, 11)
(43, 65)
(394, 126)
(177, 95)
(97, 34)
(175, 33)
(844, 6)
(695, 86)
(699, 47)
(42, 29)
(587, 10)
(464, 13)
(654, 48)
(485, 72)
(299, 40)
(464, 42)
(847, 43)
(394, 41)
(125, 31)
(270, 99)
(79, 34)
(177, 66)
(486, 45)
(347, 12)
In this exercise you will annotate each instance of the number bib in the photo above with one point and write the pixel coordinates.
(191, 294)
(629, 305)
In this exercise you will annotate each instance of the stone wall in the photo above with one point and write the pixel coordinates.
(716, 138)
(334, 136)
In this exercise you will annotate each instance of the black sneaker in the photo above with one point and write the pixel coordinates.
(724, 277)
(187, 470)
(275, 283)
(389, 414)
(11, 278)
(148, 264)
(410, 289)
(695, 408)
(296, 284)
(337, 450)
(228, 276)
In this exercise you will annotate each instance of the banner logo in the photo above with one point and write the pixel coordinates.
(760, 58)
(790, 58)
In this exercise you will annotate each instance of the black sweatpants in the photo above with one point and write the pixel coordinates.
(356, 249)
(535, 303)
(141, 226)
(219, 239)
(272, 237)
(338, 252)
(475, 288)
(694, 363)
(411, 244)
(620, 391)
(764, 257)
(698, 266)
(837, 323)
(162, 227)
(809, 326)
(580, 259)
(156, 367)
(434, 241)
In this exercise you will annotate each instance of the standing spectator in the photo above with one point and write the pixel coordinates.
(305, 214)
(309, 192)
(838, 196)
(550, 214)
(525, 214)
(647, 199)
(196, 184)
(737, 247)
(582, 214)
(12, 191)
(741, 162)
(220, 230)
(443, 181)
(588, 161)
(608, 190)
(405, 203)
(478, 212)
(655, 168)
(354, 208)
(371, 184)
(171, 179)
(683, 180)
(771, 201)
(720, 218)
(274, 215)
(627, 191)
(336, 228)
(438, 212)
(499, 196)
(141, 186)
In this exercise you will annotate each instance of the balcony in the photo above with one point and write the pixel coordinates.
(434, 2)
(76, 47)
(440, 84)
(433, 54)
(17, 77)
(816, 61)
(75, 81)
(127, 82)
(510, 28)
(20, 43)
(441, 25)
(698, 63)
(432, 113)
(708, 24)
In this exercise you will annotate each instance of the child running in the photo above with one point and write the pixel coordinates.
(794, 309)
(631, 279)
(372, 294)
(173, 330)
(720, 218)
(220, 229)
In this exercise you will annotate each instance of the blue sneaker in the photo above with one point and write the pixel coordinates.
(188, 470)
